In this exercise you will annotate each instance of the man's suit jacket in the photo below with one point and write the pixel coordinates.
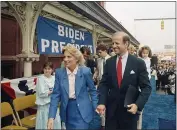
(109, 92)
(90, 63)
(85, 91)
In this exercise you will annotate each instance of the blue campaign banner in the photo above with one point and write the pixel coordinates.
(52, 36)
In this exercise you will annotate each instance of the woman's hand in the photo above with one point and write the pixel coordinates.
(50, 124)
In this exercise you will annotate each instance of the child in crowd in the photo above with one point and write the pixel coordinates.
(145, 53)
(44, 88)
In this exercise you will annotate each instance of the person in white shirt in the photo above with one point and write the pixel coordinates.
(44, 88)
(102, 52)
(145, 53)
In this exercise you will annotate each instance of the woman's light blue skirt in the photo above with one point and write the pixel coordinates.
(42, 118)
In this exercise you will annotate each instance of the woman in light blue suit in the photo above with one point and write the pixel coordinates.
(75, 89)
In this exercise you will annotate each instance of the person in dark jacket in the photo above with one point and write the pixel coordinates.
(120, 72)
(89, 61)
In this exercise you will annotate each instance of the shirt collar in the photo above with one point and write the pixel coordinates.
(74, 72)
(106, 57)
(125, 55)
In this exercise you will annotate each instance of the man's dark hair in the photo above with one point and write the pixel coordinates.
(101, 47)
(85, 49)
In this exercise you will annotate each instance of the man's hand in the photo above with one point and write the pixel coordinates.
(95, 77)
(50, 124)
(101, 109)
(133, 108)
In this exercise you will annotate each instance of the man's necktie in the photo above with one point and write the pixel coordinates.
(119, 71)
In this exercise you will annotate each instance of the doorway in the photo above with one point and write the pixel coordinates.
(8, 69)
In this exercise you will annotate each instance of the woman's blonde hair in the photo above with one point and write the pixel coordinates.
(131, 47)
(76, 53)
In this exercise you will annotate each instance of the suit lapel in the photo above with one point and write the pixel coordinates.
(78, 81)
(114, 67)
(100, 66)
(126, 71)
(65, 81)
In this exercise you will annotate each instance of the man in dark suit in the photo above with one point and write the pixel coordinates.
(89, 61)
(120, 72)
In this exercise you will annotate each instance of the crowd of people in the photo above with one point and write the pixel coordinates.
(88, 88)
(166, 77)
